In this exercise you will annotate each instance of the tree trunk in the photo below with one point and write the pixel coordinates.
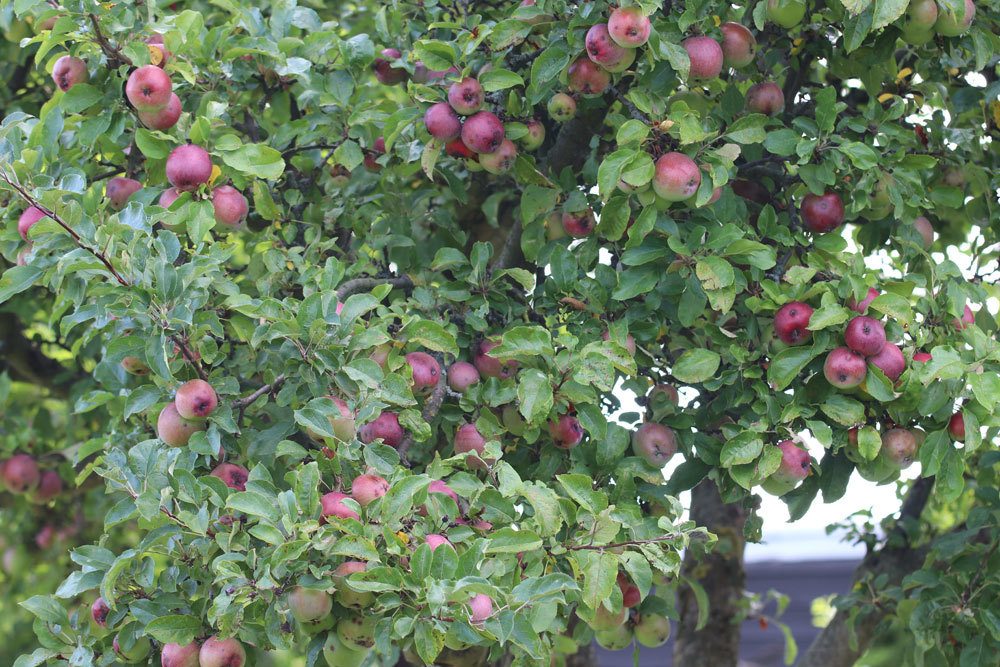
(722, 575)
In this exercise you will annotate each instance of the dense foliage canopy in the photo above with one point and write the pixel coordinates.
(321, 324)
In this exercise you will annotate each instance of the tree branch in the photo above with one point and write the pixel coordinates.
(242, 404)
(188, 355)
(364, 284)
(114, 53)
(431, 408)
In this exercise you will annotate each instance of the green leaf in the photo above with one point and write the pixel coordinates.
(537, 201)
(701, 597)
(632, 131)
(431, 335)
(430, 156)
(175, 629)
(787, 364)
(151, 146)
(826, 108)
(748, 129)
(524, 343)
(17, 279)
(81, 96)
(696, 366)
(714, 273)
(744, 448)
(869, 443)
(499, 79)
(781, 142)
(257, 160)
(844, 410)
(510, 541)
(254, 504)
(887, 11)
(47, 609)
(860, 155)
(534, 395)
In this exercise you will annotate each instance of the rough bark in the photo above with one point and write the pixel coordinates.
(834, 646)
(722, 575)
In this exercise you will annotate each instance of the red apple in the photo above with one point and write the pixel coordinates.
(163, 118)
(865, 335)
(188, 166)
(844, 368)
(229, 205)
(822, 213)
(676, 178)
(791, 323)
(706, 57)
(738, 45)
(148, 88)
(69, 71)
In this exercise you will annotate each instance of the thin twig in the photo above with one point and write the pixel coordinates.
(243, 403)
(364, 284)
(299, 149)
(628, 543)
(188, 355)
(516, 60)
(114, 53)
(62, 223)
(633, 110)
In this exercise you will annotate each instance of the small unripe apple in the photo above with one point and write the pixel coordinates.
(862, 306)
(345, 595)
(50, 485)
(368, 488)
(615, 639)
(629, 27)
(384, 71)
(28, 219)
(434, 541)
(462, 375)
(148, 88)
(21, 474)
(844, 368)
(899, 446)
(667, 392)
(217, 652)
(385, 427)
(738, 45)
(561, 107)
(99, 611)
(357, 632)
(629, 341)
(135, 366)
(163, 118)
(889, 360)
(921, 15)
(196, 399)
(948, 23)
(229, 205)
(483, 132)
(442, 122)
(652, 630)
(880, 203)
(607, 620)
(480, 608)
(333, 505)
(566, 431)
(308, 604)
(340, 176)
(501, 160)
(137, 652)
(579, 224)
(791, 323)
(188, 166)
(865, 335)
(956, 426)
(232, 475)
(491, 367)
(786, 13)
(822, 213)
(587, 77)
(69, 71)
(118, 190)
(603, 50)
(337, 654)
(655, 443)
(705, 55)
(926, 231)
(766, 98)
(175, 430)
(466, 96)
(676, 178)
(180, 655)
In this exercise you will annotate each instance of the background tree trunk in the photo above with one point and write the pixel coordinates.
(722, 575)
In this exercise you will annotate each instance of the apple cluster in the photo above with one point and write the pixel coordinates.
(21, 475)
(181, 418)
(616, 631)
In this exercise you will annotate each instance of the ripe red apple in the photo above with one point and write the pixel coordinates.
(168, 197)
(822, 213)
(862, 306)
(566, 431)
(483, 132)
(118, 190)
(865, 335)
(491, 367)
(844, 368)
(99, 611)
(28, 220)
(437, 486)
(579, 224)
(180, 655)
(163, 118)
(956, 426)
(655, 443)
(738, 45)
(188, 166)
(425, 369)
(368, 488)
(20, 474)
(442, 122)
(676, 178)
(561, 107)
(455, 148)
(333, 505)
(384, 71)
(501, 160)
(968, 317)
(462, 375)
(629, 27)
(385, 427)
(766, 98)
(631, 596)
(50, 485)
(899, 446)
(604, 51)
(791, 323)
(786, 13)
(706, 57)
(69, 71)
(217, 652)
(795, 462)
(466, 96)
(308, 604)
(669, 393)
(921, 357)
(196, 399)
(229, 205)
(435, 540)
(232, 475)
(175, 430)
(948, 23)
(587, 77)
(480, 608)
(890, 360)
(148, 88)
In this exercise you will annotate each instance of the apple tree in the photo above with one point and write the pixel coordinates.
(324, 325)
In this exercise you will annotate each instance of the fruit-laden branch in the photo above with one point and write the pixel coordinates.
(364, 284)
(114, 54)
(431, 408)
(722, 575)
(633, 110)
(188, 355)
(242, 404)
(834, 647)
(62, 223)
